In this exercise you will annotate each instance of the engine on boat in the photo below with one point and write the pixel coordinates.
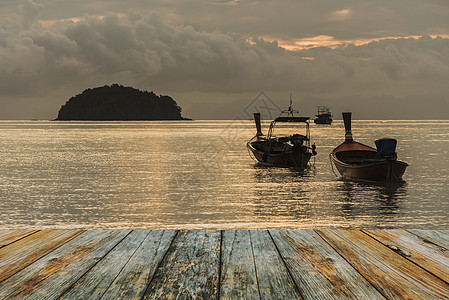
(297, 139)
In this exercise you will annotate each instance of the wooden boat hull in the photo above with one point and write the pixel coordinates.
(296, 159)
(358, 161)
(381, 171)
(320, 120)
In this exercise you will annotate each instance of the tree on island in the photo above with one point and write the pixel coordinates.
(119, 103)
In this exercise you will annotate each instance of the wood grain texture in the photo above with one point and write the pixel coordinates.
(51, 275)
(272, 274)
(10, 236)
(321, 264)
(393, 275)
(190, 268)
(436, 237)
(134, 278)
(18, 255)
(319, 272)
(238, 274)
(431, 257)
(95, 282)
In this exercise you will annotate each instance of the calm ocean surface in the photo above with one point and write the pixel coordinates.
(198, 174)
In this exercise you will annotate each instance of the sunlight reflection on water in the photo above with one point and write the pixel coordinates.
(198, 174)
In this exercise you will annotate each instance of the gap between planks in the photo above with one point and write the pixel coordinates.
(286, 246)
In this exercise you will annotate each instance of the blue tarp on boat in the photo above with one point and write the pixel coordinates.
(386, 146)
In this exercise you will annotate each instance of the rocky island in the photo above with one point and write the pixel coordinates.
(119, 103)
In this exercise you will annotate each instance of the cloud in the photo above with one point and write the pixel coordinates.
(344, 19)
(148, 52)
(30, 12)
(341, 14)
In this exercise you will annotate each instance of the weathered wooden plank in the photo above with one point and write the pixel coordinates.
(238, 274)
(190, 269)
(320, 272)
(10, 236)
(434, 259)
(436, 237)
(134, 278)
(393, 275)
(272, 274)
(27, 250)
(48, 277)
(95, 282)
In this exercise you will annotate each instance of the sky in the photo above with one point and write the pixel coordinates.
(380, 59)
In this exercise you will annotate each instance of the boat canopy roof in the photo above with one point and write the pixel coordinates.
(291, 119)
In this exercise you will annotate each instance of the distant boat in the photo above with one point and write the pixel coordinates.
(323, 116)
(361, 162)
(286, 150)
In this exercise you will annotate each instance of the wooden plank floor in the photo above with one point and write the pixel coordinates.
(229, 264)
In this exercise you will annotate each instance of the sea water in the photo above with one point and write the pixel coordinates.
(199, 174)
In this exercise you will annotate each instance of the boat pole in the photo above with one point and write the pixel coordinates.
(347, 121)
(258, 125)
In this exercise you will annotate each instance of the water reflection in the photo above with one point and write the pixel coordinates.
(281, 193)
(390, 198)
(381, 203)
(294, 198)
(280, 174)
(348, 207)
(158, 175)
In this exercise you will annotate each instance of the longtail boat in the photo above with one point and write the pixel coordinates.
(358, 161)
(286, 150)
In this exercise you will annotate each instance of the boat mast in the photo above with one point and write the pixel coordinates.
(290, 108)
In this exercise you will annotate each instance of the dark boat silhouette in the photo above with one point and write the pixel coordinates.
(361, 162)
(323, 115)
(286, 150)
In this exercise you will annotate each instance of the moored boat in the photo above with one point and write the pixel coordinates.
(358, 161)
(286, 150)
(323, 115)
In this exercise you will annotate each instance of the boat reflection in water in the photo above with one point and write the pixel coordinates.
(380, 205)
(283, 198)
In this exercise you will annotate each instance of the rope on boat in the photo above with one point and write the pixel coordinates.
(314, 153)
(314, 161)
(251, 154)
(332, 166)
(310, 164)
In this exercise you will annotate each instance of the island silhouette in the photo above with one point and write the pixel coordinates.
(119, 103)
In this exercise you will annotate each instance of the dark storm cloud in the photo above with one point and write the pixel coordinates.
(344, 19)
(146, 49)
(45, 56)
